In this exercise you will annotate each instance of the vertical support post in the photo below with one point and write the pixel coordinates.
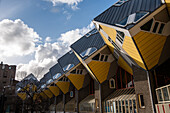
(23, 107)
(77, 100)
(64, 101)
(55, 101)
(116, 79)
(126, 80)
(121, 78)
(100, 98)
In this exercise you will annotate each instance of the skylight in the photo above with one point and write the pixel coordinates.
(120, 2)
(133, 18)
(92, 32)
(68, 67)
(43, 86)
(88, 52)
(56, 76)
(49, 81)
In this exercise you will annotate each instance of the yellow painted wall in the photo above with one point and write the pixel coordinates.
(35, 96)
(86, 66)
(100, 69)
(48, 93)
(43, 95)
(55, 90)
(77, 80)
(110, 32)
(111, 47)
(122, 63)
(151, 46)
(64, 86)
(130, 48)
(168, 5)
(22, 95)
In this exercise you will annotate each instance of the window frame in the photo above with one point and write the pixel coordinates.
(87, 52)
(153, 25)
(140, 102)
(55, 78)
(122, 2)
(68, 67)
(71, 94)
(110, 85)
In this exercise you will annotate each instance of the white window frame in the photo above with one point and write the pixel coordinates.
(112, 79)
(88, 51)
(123, 1)
(68, 67)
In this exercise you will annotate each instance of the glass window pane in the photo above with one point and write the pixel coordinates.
(165, 93)
(161, 28)
(56, 76)
(147, 26)
(106, 58)
(108, 107)
(155, 27)
(159, 94)
(123, 22)
(134, 105)
(96, 57)
(139, 15)
(92, 51)
(102, 57)
(123, 106)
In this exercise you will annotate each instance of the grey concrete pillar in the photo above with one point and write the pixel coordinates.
(64, 102)
(77, 101)
(142, 84)
(98, 99)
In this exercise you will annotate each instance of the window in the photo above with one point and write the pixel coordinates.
(88, 52)
(71, 93)
(112, 83)
(165, 94)
(4, 82)
(120, 36)
(141, 101)
(139, 16)
(77, 71)
(100, 57)
(68, 67)
(161, 28)
(43, 86)
(49, 81)
(106, 58)
(147, 26)
(153, 26)
(120, 2)
(96, 57)
(9, 67)
(56, 76)
(3, 66)
(159, 93)
(133, 18)
(18, 89)
(94, 31)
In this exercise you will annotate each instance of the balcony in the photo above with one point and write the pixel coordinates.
(163, 97)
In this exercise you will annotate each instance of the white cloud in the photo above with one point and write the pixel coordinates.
(16, 38)
(46, 55)
(72, 3)
(48, 39)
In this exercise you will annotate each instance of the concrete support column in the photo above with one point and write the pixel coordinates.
(142, 84)
(98, 99)
(64, 102)
(77, 101)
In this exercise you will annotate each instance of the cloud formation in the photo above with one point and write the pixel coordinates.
(72, 3)
(16, 39)
(46, 54)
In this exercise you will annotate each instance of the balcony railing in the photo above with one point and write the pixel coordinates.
(163, 94)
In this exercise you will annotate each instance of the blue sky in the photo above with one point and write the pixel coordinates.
(49, 20)
(35, 33)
